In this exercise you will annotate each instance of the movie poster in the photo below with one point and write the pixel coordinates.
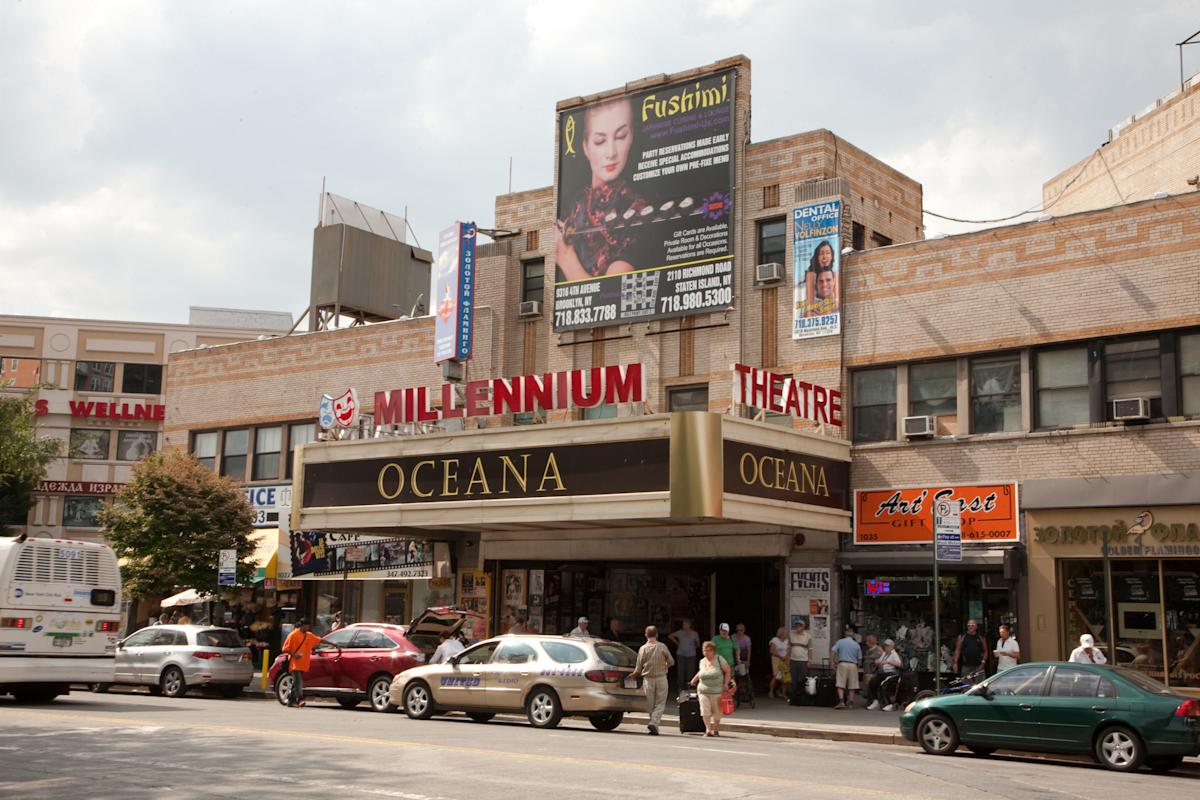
(644, 207)
(474, 594)
(512, 586)
(817, 269)
(333, 556)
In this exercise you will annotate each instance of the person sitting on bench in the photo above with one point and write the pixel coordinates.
(888, 664)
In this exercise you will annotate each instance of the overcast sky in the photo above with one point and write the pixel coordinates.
(157, 155)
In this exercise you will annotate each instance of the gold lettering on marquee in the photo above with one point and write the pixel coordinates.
(551, 470)
(415, 485)
(478, 476)
(399, 481)
(772, 472)
(521, 477)
(449, 475)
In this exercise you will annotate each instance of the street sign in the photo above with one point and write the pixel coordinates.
(947, 531)
(227, 568)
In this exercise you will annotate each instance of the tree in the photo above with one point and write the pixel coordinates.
(23, 458)
(170, 522)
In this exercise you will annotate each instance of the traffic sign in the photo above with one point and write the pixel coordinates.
(947, 531)
(227, 568)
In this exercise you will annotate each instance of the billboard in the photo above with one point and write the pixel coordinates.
(324, 555)
(817, 269)
(454, 292)
(905, 516)
(644, 210)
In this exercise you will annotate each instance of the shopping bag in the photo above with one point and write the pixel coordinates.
(727, 704)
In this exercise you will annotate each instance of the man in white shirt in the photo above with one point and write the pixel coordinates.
(581, 628)
(1007, 651)
(1087, 652)
(448, 647)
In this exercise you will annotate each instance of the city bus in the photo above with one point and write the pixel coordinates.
(60, 616)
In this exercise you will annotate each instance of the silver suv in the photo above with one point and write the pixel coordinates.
(170, 659)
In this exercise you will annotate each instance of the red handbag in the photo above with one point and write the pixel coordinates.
(726, 703)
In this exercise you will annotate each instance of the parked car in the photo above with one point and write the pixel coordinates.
(1121, 716)
(546, 677)
(357, 662)
(170, 659)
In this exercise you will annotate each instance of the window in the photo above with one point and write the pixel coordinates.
(874, 406)
(135, 445)
(1018, 682)
(94, 376)
(616, 655)
(372, 640)
(204, 448)
(87, 443)
(602, 411)
(933, 389)
(525, 418)
(140, 639)
(339, 638)
(266, 453)
(1133, 369)
(772, 241)
(858, 236)
(24, 373)
(299, 434)
(531, 240)
(80, 512)
(533, 280)
(1189, 374)
(516, 653)
(564, 653)
(879, 240)
(1075, 682)
(219, 637)
(996, 394)
(688, 398)
(770, 197)
(480, 654)
(142, 379)
(1062, 388)
(233, 457)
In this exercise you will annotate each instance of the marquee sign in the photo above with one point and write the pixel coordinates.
(783, 394)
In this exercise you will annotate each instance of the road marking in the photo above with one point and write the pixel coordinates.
(703, 749)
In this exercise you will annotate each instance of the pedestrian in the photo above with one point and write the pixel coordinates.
(174, 618)
(687, 650)
(887, 663)
(743, 647)
(581, 628)
(847, 654)
(337, 622)
(970, 651)
(726, 647)
(163, 619)
(871, 653)
(780, 674)
(653, 664)
(1087, 652)
(613, 631)
(712, 679)
(799, 654)
(298, 648)
(448, 647)
(1007, 651)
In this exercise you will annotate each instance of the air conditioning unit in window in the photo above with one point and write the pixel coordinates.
(916, 427)
(771, 272)
(530, 308)
(1131, 409)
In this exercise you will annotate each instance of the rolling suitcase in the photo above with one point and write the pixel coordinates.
(689, 714)
(826, 686)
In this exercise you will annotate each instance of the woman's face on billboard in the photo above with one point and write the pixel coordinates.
(608, 139)
(825, 255)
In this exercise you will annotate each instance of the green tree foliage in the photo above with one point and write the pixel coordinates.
(171, 520)
(23, 458)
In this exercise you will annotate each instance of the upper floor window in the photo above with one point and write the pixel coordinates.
(299, 434)
(533, 279)
(933, 389)
(1133, 369)
(1062, 387)
(94, 376)
(24, 373)
(1189, 374)
(135, 445)
(874, 405)
(879, 240)
(858, 236)
(772, 241)
(996, 394)
(267, 442)
(204, 448)
(89, 443)
(233, 455)
(142, 379)
(687, 398)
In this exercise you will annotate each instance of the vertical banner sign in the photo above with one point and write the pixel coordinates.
(817, 269)
(227, 568)
(454, 287)
(644, 211)
(947, 531)
(808, 602)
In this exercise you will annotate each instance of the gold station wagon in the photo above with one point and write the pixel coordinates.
(546, 677)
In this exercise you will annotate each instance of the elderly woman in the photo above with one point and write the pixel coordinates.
(711, 680)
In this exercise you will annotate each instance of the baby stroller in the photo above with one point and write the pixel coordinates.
(744, 693)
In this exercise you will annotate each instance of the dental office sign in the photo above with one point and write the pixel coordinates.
(454, 293)
(987, 513)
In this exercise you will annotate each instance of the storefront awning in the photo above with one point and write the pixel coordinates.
(187, 597)
(266, 553)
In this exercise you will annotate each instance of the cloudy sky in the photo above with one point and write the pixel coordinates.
(157, 155)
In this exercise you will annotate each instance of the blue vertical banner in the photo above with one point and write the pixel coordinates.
(454, 284)
(817, 269)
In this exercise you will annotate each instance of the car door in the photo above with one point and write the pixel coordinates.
(1000, 712)
(508, 674)
(460, 685)
(161, 648)
(368, 654)
(325, 666)
(129, 652)
(1078, 700)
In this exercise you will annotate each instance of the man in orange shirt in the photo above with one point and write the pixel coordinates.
(298, 647)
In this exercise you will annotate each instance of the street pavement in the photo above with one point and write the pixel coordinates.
(132, 746)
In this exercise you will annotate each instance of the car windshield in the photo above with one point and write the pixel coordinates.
(1141, 681)
(218, 638)
(617, 655)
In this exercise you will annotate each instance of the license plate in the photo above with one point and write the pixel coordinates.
(62, 641)
(233, 657)
(630, 683)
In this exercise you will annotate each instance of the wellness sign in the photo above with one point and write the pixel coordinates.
(905, 516)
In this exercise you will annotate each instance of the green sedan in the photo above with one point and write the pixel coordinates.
(1122, 717)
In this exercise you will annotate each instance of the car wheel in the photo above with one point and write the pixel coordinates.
(349, 702)
(937, 735)
(379, 693)
(172, 682)
(100, 688)
(924, 694)
(607, 722)
(543, 708)
(231, 691)
(418, 702)
(982, 752)
(1164, 763)
(283, 688)
(479, 716)
(1120, 749)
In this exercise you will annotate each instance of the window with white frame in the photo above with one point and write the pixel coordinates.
(996, 394)
(1062, 387)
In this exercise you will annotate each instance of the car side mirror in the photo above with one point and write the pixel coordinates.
(982, 691)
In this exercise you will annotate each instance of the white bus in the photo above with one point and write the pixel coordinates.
(60, 616)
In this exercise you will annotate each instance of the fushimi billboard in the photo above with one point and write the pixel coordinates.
(817, 269)
(644, 207)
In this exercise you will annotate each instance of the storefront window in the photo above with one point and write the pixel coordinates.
(89, 443)
(1181, 585)
(1083, 610)
(996, 394)
(1139, 617)
(1062, 388)
(900, 607)
(80, 512)
(135, 445)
